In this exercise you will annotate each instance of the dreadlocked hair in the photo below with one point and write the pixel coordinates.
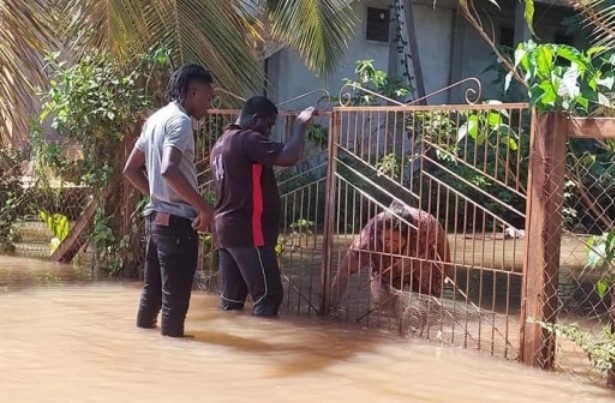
(184, 76)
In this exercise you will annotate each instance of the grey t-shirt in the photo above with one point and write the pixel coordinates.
(170, 126)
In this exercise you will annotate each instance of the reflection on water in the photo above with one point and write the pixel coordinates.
(77, 342)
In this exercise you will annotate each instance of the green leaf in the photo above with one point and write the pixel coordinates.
(573, 55)
(520, 56)
(602, 288)
(494, 120)
(507, 81)
(544, 61)
(528, 14)
(549, 96)
(596, 50)
(583, 102)
(603, 100)
(606, 82)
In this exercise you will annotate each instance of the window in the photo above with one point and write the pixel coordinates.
(378, 20)
(507, 36)
(564, 40)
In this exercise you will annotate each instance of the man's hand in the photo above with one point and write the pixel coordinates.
(306, 116)
(201, 223)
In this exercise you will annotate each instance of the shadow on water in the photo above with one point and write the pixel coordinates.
(314, 345)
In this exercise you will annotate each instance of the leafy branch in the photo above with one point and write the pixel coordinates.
(563, 78)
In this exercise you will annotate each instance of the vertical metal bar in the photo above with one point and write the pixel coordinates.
(329, 214)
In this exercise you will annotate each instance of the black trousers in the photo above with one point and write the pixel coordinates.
(171, 259)
(254, 271)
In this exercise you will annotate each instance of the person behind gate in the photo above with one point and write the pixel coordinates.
(398, 232)
(247, 213)
(161, 165)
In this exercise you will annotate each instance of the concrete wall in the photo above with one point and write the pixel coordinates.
(450, 50)
(289, 77)
(434, 29)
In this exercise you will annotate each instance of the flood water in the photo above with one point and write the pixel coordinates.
(64, 338)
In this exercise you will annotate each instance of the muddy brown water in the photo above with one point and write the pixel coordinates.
(65, 338)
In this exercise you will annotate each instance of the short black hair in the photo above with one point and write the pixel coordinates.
(398, 217)
(184, 76)
(258, 105)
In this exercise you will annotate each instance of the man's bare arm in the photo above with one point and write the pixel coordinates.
(134, 171)
(350, 264)
(293, 149)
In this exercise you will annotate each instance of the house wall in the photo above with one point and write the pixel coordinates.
(434, 27)
(290, 78)
(450, 50)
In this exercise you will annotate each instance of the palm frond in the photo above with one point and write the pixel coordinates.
(599, 15)
(222, 35)
(26, 32)
(318, 30)
(212, 33)
(117, 25)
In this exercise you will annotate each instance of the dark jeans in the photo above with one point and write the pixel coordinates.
(171, 259)
(254, 271)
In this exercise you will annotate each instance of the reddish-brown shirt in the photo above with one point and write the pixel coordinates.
(423, 272)
(247, 211)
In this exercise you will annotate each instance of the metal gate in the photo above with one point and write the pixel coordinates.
(464, 164)
(303, 196)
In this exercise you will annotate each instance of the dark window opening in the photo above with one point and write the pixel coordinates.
(378, 21)
(564, 40)
(507, 36)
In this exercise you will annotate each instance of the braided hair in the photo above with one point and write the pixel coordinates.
(180, 81)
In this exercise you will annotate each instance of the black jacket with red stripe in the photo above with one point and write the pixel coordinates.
(247, 211)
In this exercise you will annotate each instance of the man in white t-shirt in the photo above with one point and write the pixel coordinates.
(161, 165)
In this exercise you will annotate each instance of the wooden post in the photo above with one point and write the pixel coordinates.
(543, 235)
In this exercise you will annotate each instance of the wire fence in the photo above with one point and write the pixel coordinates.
(33, 235)
(585, 297)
